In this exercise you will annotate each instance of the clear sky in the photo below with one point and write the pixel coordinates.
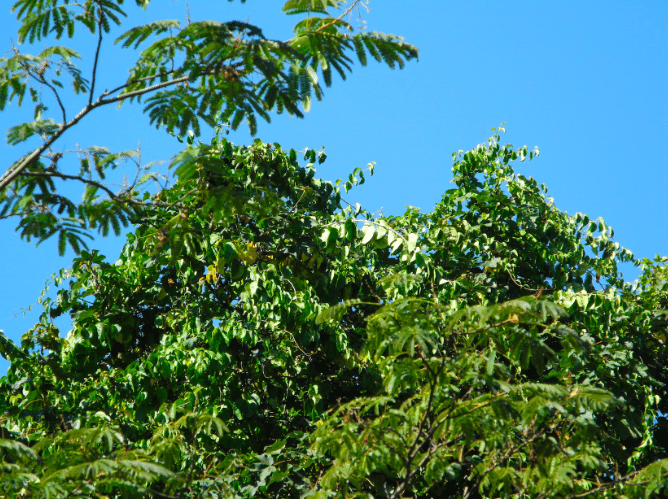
(586, 82)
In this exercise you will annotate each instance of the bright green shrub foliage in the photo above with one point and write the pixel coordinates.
(258, 337)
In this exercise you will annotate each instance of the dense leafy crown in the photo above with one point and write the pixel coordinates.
(258, 337)
(203, 72)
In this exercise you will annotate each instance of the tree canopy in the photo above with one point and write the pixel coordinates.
(259, 337)
(186, 75)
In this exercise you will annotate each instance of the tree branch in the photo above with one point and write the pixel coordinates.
(117, 198)
(414, 449)
(15, 171)
(609, 485)
(139, 80)
(345, 13)
(55, 92)
(39, 77)
(130, 95)
(95, 62)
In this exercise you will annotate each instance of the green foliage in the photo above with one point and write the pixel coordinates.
(257, 337)
(201, 73)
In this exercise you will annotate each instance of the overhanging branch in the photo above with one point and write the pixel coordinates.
(118, 198)
(13, 172)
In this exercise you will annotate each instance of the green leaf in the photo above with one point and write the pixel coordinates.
(335, 313)
(368, 232)
(8, 349)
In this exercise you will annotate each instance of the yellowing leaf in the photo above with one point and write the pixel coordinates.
(249, 255)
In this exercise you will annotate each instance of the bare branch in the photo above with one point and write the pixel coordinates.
(55, 92)
(138, 80)
(130, 95)
(95, 62)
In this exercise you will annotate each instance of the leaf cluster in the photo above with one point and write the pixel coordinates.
(201, 73)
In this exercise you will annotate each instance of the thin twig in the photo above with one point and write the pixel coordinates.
(482, 329)
(517, 283)
(609, 485)
(138, 80)
(55, 92)
(345, 13)
(39, 77)
(118, 198)
(414, 448)
(97, 56)
(130, 95)
(161, 494)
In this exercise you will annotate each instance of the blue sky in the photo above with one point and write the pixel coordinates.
(586, 82)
